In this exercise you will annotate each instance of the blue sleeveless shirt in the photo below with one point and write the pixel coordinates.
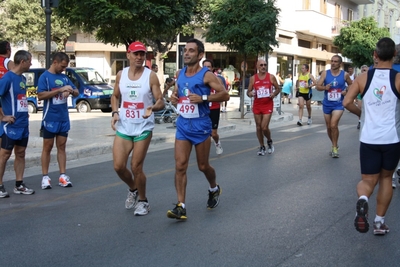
(195, 85)
(338, 84)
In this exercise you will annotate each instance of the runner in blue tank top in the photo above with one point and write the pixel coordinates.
(333, 83)
(191, 95)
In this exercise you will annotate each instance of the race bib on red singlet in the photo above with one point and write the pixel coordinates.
(134, 111)
(263, 92)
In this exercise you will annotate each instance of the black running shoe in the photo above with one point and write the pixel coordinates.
(361, 220)
(213, 198)
(178, 212)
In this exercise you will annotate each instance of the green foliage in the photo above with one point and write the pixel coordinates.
(245, 26)
(25, 21)
(358, 41)
(121, 22)
(200, 17)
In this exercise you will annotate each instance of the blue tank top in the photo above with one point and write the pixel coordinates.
(195, 85)
(333, 96)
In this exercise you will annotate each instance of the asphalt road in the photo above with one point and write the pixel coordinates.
(292, 208)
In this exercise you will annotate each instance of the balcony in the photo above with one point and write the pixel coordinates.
(321, 24)
(363, 2)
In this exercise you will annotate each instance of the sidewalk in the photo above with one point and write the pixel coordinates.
(91, 133)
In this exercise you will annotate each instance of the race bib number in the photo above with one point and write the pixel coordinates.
(22, 103)
(334, 94)
(187, 109)
(263, 92)
(59, 98)
(134, 111)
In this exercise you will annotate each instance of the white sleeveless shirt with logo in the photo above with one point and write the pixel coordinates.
(136, 96)
(380, 116)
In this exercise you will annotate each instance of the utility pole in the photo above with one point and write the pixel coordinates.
(48, 32)
(48, 4)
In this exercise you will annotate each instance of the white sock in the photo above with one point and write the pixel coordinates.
(183, 205)
(214, 189)
(379, 219)
(363, 197)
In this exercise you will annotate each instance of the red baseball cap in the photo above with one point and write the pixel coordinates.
(136, 47)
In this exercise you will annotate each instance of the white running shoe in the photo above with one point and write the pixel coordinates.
(46, 182)
(64, 181)
(309, 122)
(142, 208)
(218, 148)
(131, 199)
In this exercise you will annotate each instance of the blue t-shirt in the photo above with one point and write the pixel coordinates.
(55, 108)
(13, 99)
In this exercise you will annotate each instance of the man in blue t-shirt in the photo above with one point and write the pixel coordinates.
(54, 88)
(15, 121)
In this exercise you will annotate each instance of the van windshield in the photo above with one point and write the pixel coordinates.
(90, 76)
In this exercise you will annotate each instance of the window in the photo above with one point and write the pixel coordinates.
(285, 39)
(350, 15)
(304, 43)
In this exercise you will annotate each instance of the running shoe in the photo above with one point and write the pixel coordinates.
(22, 189)
(271, 148)
(213, 198)
(218, 148)
(142, 208)
(335, 153)
(380, 228)
(299, 123)
(309, 121)
(178, 212)
(131, 199)
(361, 220)
(261, 151)
(64, 181)
(330, 152)
(46, 182)
(3, 192)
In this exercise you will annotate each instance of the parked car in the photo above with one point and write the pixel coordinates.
(94, 92)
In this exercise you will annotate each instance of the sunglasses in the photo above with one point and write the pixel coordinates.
(263, 65)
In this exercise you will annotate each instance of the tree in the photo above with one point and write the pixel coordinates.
(154, 22)
(25, 21)
(245, 26)
(358, 41)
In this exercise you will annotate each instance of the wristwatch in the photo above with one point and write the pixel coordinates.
(112, 113)
(204, 97)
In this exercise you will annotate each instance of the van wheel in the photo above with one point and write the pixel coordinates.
(83, 107)
(31, 108)
(105, 110)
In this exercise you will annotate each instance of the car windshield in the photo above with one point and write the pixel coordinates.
(90, 76)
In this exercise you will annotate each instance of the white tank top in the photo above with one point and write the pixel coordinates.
(136, 96)
(380, 114)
